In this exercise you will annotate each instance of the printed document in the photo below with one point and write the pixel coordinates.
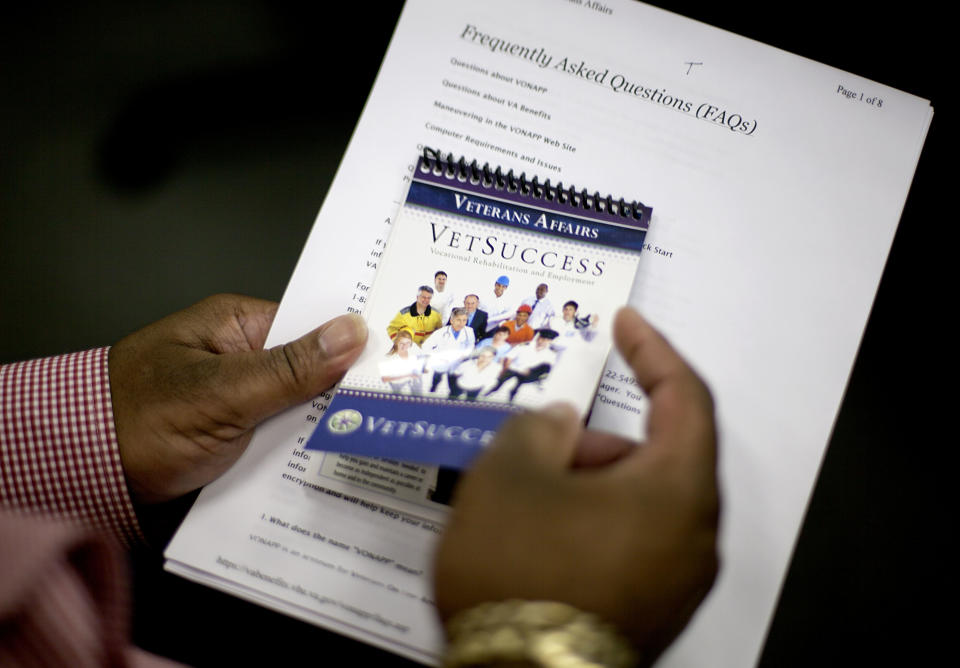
(776, 184)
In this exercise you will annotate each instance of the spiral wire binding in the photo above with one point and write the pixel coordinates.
(458, 168)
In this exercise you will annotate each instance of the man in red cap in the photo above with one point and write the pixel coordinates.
(520, 331)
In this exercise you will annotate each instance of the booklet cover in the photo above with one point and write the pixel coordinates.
(495, 293)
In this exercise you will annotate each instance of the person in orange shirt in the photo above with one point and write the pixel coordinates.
(520, 331)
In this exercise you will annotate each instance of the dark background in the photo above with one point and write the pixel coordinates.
(152, 153)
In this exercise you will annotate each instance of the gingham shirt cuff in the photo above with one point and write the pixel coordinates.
(58, 444)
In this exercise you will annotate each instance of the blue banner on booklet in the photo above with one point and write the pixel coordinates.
(401, 427)
(495, 293)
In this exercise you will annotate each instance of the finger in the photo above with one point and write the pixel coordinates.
(681, 409)
(218, 324)
(596, 449)
(232, 323)
(266, 382)
(541, 438)
(255, 316)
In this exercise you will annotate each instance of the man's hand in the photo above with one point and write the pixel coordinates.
(626, 531)
(189, 389)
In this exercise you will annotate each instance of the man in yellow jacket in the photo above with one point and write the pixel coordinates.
(419, 317)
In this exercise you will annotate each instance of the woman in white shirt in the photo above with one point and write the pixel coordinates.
(402, 368)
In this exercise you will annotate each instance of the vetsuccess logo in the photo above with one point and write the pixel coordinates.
(344, 422)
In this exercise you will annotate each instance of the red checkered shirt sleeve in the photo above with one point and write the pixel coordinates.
(58, 444)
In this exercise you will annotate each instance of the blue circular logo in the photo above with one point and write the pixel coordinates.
(344, 422)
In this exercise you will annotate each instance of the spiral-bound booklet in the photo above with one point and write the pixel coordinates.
(496, 293)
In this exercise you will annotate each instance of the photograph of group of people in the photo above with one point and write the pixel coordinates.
(490, 344)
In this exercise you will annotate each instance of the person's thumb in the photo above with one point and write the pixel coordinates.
(544, 439)
(262, 383)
